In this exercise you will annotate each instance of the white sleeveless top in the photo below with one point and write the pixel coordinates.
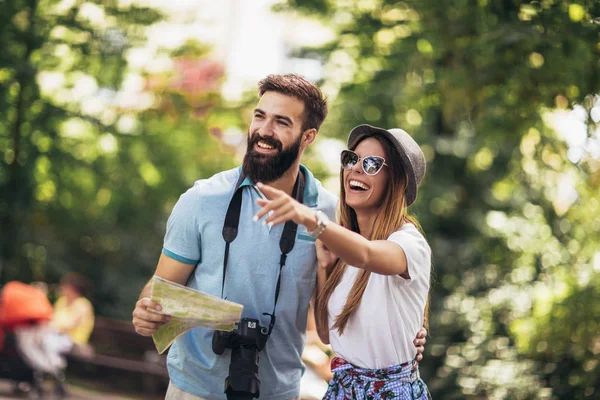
(381, 332)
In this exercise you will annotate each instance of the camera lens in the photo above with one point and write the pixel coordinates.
(243, 374)
(246, 340)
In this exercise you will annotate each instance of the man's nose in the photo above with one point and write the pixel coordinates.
(266, 129)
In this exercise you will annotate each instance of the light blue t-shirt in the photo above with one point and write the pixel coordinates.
(194, 236)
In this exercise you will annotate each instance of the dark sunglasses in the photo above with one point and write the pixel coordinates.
(371, 165)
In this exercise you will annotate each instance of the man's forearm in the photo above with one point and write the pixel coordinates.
(146, 291)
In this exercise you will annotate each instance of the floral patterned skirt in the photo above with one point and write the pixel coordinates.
(350, 382)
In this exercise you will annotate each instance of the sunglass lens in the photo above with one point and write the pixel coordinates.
(348, 159)
(372, 165)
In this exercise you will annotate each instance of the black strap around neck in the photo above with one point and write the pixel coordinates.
(286, 242)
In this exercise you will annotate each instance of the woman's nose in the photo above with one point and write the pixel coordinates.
(358, 167)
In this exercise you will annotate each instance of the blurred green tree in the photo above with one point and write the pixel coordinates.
(510, 201)
(94, 150)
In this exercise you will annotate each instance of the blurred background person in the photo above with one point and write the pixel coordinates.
(30, 346)
(73, 312)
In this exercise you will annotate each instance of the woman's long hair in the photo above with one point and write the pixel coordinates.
(391, 217)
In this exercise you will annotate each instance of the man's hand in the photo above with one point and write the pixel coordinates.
(147, 322)
(419, 342)
(280, 208)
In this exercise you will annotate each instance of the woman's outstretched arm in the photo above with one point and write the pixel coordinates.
(378, 256)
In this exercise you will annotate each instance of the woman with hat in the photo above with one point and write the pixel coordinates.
(374, 266)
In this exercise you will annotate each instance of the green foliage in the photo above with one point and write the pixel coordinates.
(90, 168)
(516, 259)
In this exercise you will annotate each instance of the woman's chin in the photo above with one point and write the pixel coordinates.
(356, 202)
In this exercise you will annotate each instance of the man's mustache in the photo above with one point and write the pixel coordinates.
(255, 138)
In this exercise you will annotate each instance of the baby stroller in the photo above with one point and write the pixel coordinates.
(29, 347)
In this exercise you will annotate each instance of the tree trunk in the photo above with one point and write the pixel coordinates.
(11, 221)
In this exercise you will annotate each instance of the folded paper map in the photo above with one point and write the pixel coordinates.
(189, 309)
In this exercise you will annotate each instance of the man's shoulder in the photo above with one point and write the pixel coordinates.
(317, 195)
(220, 184)
(327, 200)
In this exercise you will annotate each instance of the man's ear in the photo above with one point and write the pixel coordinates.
(309, 136)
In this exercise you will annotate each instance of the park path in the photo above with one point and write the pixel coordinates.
(74, 393)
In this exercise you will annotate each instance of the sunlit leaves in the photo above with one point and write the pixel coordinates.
(490, 88)
(92, 159)
(576, 12)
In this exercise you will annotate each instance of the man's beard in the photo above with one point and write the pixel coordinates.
(267, 168)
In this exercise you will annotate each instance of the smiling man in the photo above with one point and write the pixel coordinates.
(285, 122)
(275, 117)
(257, 264)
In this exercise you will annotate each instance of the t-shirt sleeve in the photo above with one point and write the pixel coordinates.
(330, 210)
(182, 239)
(417, 251)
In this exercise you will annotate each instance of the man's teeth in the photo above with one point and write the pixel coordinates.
(263, 145)
(358, 185)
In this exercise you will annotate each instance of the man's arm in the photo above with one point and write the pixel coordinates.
(146, 322)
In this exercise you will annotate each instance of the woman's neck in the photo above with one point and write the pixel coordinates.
(365, 223)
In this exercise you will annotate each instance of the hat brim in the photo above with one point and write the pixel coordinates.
(367, 130)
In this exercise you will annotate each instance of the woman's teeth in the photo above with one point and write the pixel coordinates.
(356, 185)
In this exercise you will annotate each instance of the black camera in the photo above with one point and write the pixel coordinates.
(246, 340)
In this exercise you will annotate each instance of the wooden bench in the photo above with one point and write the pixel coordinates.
(121, 359)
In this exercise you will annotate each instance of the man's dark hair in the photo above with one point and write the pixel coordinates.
(315, 104)
(78, 282)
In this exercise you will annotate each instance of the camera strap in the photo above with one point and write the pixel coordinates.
(286, 242)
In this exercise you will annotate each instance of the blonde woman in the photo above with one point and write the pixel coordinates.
(374, 266)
